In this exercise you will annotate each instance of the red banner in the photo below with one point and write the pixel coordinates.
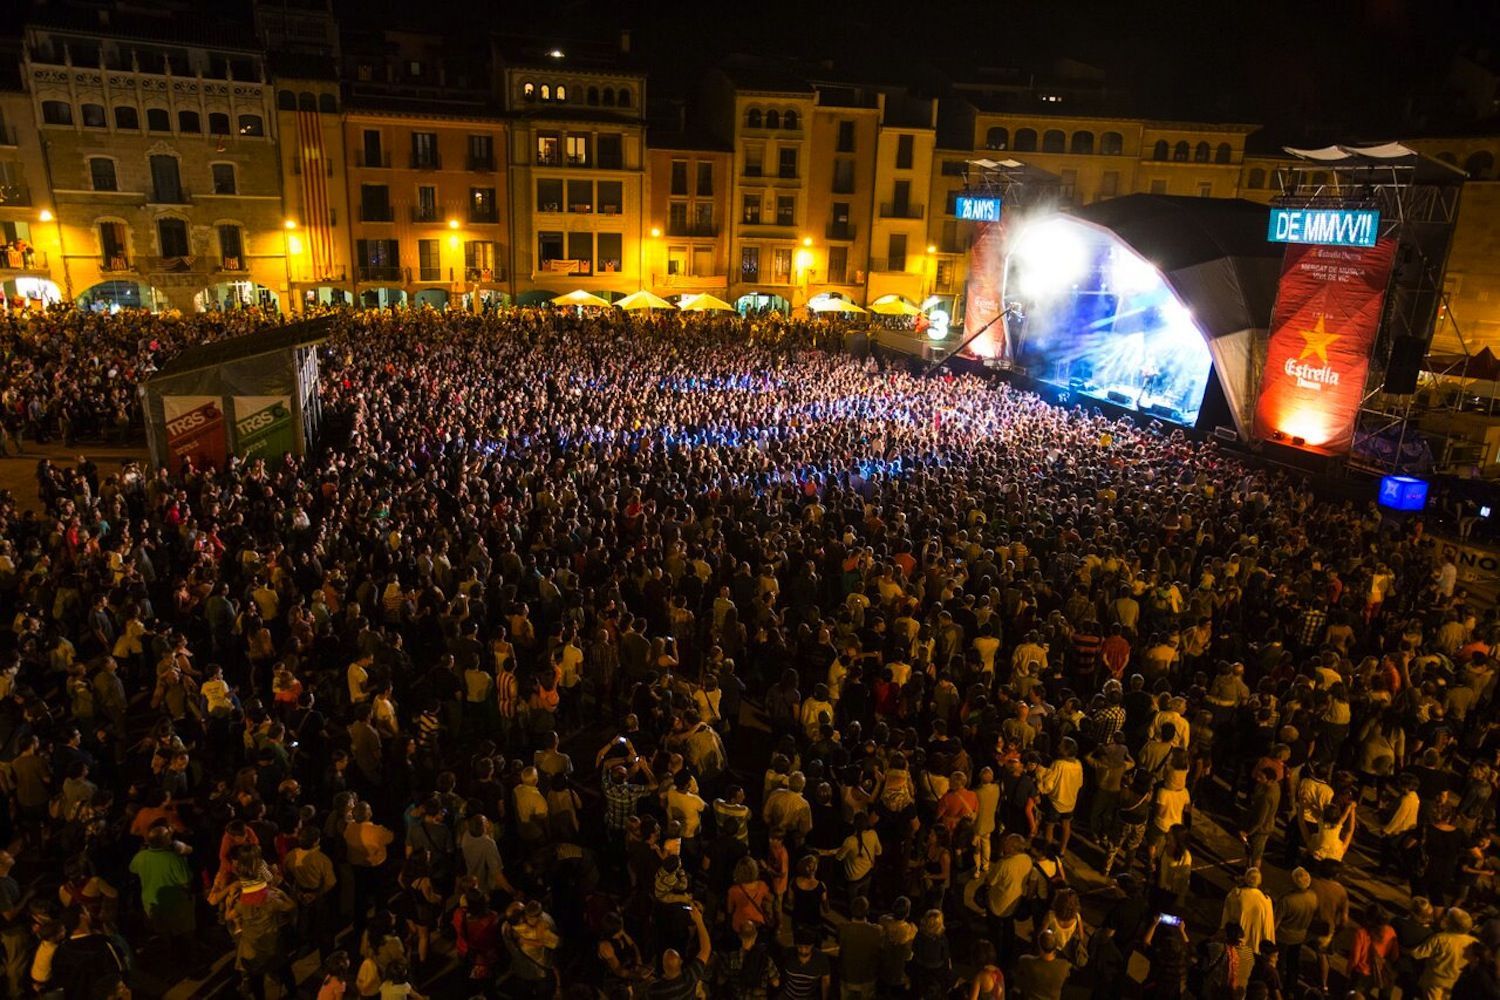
(1322, 332)
(195, 430)
(984, 299)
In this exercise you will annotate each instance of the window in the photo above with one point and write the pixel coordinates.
(374, 203)
(750, 209)
(611, 152)
(900, 199)
(611, 197)
(843, 176)
(1256, 180)
(1082, 143)
(562, 92)
(1109, 184)
(429, 260)
(786, 161)
(57, 113)
(593, 96)
(790, 121)
(997, 138)
(173, 234)
(705, 179)
(896, 252)
(1180, 152)
(127, 119)
(1111, 144)
(231, 248)
(609, 97)
(364, 73)
(838, 264)
(754, 158)
(414, 69)
(252, 125)
(549, 247)
(846, 137)
(548, 150)
(374, 156)
(1053, 141)
(611, 251)
(703, 218)
(189, 123)
(752, 118)
(1205, 189)
(427, 204)
(112, 249)
(786, 210)
(625, 98)
(904, 146)
(781, 265)
(679, 177)
(218, 123)
(580, 196)
(546, 92)
(424, 151)
(1026, 140)
(581, 249)
(773, 119)
(528, 90)
(677, 218)
(381, 258)
(1068, 185)
(577, 147)
(158, 120)
(166, 182)
(223, 176)
(93, 116)
(328, 104)
(1158, 187)
(1223, 154)
(482, 205)
(1201, 153)
(479, 260)
(952, 168)
(750, 263)
(1159, 151)
(102, 173)
(1480, 166)
(481, 152)
(549, 195)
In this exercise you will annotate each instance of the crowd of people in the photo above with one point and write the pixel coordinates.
(667, 658)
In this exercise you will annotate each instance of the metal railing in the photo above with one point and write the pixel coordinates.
(117, 262)
(228, 263)
(381, 272)
(376, 213)
(840, 231)
(692, 229)
(482, 164)
(485, 274)
(175, 196)
(892, 264)
(12, 259)
(433, 274)
(426, 161)
(426, 213)
(901, 210)
(15, 194)
(483, 217)
(373, 161)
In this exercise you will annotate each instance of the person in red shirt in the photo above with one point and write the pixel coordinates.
(1114, 652)
(1373, 953)
(958, 803)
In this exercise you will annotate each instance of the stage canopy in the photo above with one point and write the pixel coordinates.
(1214, 273)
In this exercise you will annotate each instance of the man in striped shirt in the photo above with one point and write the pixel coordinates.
(679, 980)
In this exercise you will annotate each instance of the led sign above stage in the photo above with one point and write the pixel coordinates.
(971, 209)
(1335, 227)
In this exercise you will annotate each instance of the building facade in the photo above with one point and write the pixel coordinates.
(688, 185)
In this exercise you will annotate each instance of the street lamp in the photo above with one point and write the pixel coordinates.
(45, 215)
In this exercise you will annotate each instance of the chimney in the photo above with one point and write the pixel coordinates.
(625, 41)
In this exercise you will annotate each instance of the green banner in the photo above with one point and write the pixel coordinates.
(263, 426)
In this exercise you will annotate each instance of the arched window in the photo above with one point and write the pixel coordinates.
(1257, 179)
(1201, 153)
(286, 100)
(997, 138)
(252, 125)
(126, 117)
(546, 92)
(1180, 152)
(1480, 166)
(1159, 151)
(189, 123)
(562, 92)
(173, 234)
(93, 116)
(218, 123)
(752, 118)
(773, 119)
(57, 113)
(158, 120)
(1111, 144)
(609, 97)
(790, 121)
(328, 104)
(1083, 142)
(624, 98)
(1054, 141)
(1025, 140)
(593, 96)
(1223, 154)
(528, 90)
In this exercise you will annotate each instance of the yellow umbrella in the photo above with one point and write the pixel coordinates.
(579, 297)
(833, 305)
(705, 303)
(893, 305)
(644, 300)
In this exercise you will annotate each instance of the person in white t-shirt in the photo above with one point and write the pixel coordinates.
(1060, 783)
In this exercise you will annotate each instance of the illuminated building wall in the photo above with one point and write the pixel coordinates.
(24, 196)
(687, 215)
(900, 262)
(842, 187)
(314, 188)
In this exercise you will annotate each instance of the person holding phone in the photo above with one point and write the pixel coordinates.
(1166, 944)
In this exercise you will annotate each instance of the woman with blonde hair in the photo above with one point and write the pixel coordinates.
(932, 963)
(750, 900)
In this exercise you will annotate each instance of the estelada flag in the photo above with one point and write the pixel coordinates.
(1323, 328)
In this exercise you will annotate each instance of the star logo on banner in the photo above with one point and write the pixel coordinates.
(1316, 341)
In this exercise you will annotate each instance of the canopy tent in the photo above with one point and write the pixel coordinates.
(643, 300)
(894, 305)
(833, 304)
(705, 303)
(1385, 155)
(1214, 255)
(578, 297)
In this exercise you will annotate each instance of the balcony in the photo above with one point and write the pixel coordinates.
(14, 195)
(840, 231)
(485, 217)
(23, 260)
(895, 265)
(433, 274)
(426, 161)
(376, 213)
(382, 273)
(901, 210)
(563, 265)
(610, 208)
(482, 164)
(843, 186)
(703, 229)
(7, 136)
(753, 170)
(548, 159)
(787, 173)
(170, 196)
(373, 160)
(426, 213)
(116, 263)
(485, 275)
(232, 264)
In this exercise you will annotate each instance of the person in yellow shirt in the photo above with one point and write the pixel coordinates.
(366, 842)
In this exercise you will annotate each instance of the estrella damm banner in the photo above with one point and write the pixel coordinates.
(263, 426)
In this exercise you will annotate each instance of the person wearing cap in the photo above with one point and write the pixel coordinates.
(1443, 955)
(1250, 908)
